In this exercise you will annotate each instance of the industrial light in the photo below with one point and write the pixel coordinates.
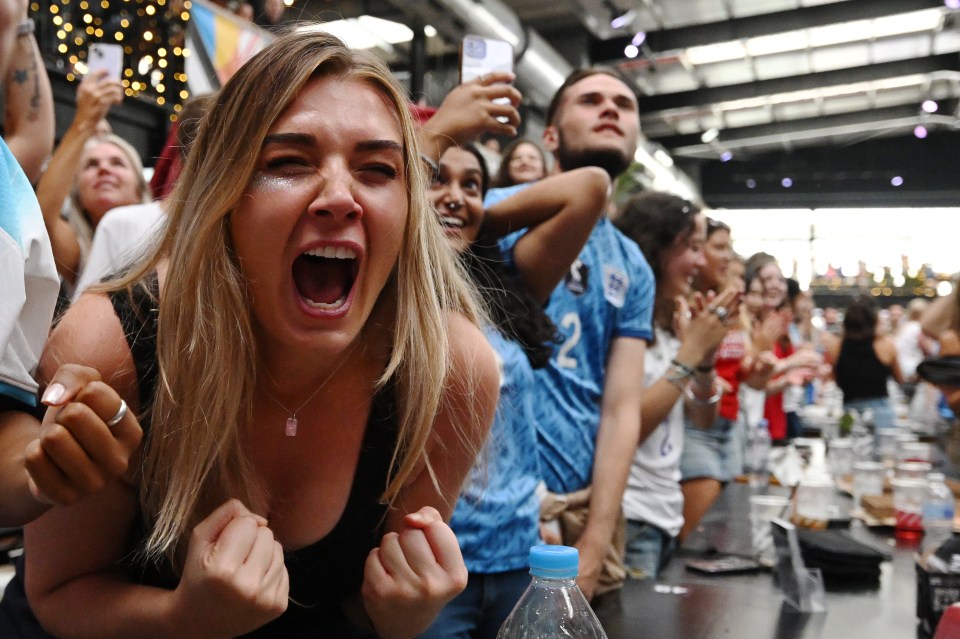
(623, 20)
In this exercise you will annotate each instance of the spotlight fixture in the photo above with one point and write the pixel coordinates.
(631, 51)
(641, 36)
(930, 106)
(952, 4)
(786, 182)
(751, 183)
(710, 135)
(726, 156)
(920, 131)
(896, 181)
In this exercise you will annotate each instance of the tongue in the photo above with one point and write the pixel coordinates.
(322, 280)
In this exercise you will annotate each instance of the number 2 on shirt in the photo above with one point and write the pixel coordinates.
(563, 358)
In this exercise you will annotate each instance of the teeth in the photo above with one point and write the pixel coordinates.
(448, 220)
(324, 306)
(333, 252)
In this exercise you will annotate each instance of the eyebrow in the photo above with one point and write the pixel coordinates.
(305, 139)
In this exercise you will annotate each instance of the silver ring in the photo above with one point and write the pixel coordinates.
(721, 313)
(121, 413)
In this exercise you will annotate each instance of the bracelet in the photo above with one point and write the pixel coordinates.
(705, 368)
(705, 402)
(26, 27)
(677, 376)
(432, 166)
(685, 368)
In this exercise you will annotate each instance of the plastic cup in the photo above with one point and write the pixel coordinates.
(867, 479)
(913, 469)
(763, 509)
(840, 457)
(814, 504)
(908, 495)
(913, 451)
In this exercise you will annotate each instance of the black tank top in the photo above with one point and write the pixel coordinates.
(859, 372)
(322, 575)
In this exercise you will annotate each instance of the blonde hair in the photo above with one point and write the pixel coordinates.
(77, 215)
(206, 346)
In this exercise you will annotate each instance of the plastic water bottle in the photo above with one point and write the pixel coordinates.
(552, 606)
(758, 454)
(938, 510)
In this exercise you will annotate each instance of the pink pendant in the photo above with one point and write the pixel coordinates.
(291, 429)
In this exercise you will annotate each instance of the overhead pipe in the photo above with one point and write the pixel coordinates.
(539, 68)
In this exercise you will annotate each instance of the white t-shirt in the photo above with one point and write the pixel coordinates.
(653, 487)
(909, 351)
(121, 237)
(28, 281)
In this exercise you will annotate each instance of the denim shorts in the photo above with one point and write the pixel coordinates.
(707, 453)
(648, 549)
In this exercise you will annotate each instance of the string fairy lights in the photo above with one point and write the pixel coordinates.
(151, 32)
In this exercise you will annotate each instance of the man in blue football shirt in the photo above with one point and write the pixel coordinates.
(588, 396)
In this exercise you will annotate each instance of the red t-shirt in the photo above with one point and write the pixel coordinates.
(773, 407)
(729, 364)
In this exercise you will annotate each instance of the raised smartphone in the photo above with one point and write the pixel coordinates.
(479, 56)
(105, 56)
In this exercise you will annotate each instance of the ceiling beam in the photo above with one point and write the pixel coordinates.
(602, 51)
(809, 131)
(714, 95)
(790, 127)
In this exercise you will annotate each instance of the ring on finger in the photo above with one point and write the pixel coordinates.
(121, 413)
(721, 313)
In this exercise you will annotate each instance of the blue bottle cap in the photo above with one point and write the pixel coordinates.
(554, 562)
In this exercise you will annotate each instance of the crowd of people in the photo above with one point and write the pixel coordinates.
(343, 376)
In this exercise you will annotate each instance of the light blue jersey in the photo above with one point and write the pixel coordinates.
(28, 281)
(496, 517)
(607, 294)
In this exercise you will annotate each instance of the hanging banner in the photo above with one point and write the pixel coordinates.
(227, 39)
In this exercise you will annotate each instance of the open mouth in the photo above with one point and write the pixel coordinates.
(325, 276)
(449, 221)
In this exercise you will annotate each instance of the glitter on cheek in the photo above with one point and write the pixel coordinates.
(271, 183)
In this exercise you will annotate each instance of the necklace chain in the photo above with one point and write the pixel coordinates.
(290, 428)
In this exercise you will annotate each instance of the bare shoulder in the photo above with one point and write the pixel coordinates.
(475, 377)
(885, 348)
(90, 334)
(469, 347)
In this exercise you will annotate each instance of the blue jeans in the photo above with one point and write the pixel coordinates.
(883, 415)
(648, 549)
(480, 610)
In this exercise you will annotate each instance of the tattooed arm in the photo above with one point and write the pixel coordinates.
(28, 122)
